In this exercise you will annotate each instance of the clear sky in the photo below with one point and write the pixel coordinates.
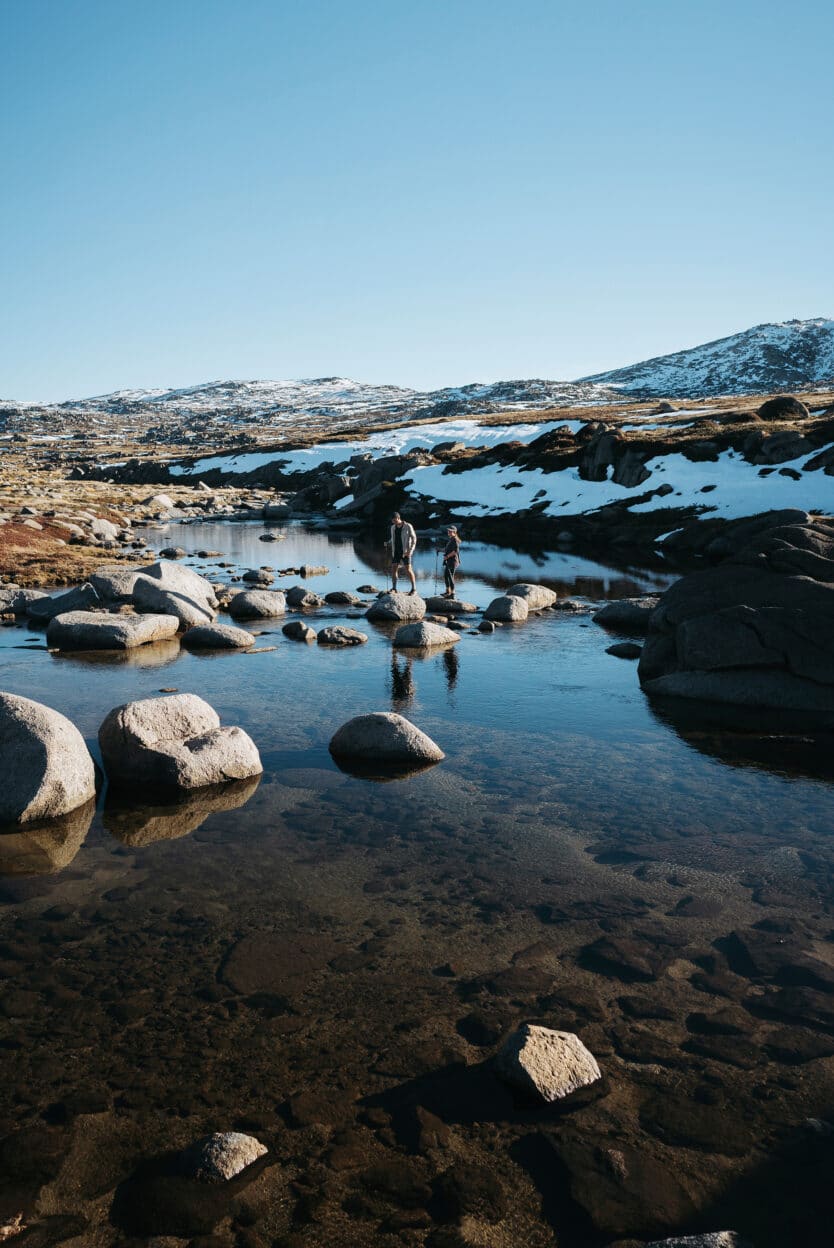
(425, 192)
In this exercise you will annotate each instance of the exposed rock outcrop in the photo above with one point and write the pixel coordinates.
(757, 630)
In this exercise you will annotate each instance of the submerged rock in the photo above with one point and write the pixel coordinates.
(536, 596)
(174, 742)
(257, 604)
(47, 768)
(423, 636)
(383, 737)
(396, 606)
(92, 630)
(552, 1064)
(508, 609)
(625, 650)
(219, 1157)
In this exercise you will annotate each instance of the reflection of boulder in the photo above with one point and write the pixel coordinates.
(142, 825)
(157, 654)
(48, 847)
(788, 744)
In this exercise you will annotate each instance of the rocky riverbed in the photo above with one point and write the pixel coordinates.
(291, 1009)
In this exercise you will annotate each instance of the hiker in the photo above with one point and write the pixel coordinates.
(403, 541)
(451, 560)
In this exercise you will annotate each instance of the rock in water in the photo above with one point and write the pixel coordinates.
(338, 635)
(536, 596)
(219, 1157)
(396, 606)
(174, 743)
(257, 604)
(298, 596)
(259, 576)
(627, 615)
(78, 599)
(47, 768)
(217, 637)
(450, 606)
(385, 738)
(423, 636)
(757, 630)
(550, 1063)
(150, 594)
(179, 579)
(508, 609)
(297, 630)
(93, 630)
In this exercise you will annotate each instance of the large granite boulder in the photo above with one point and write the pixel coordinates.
(507, 609)
(536, 596)
(151, 594)
(47, 768)
(95, 630)
(174, 743)
(257, 604)
(423, 636)
(115, 584)
(180, 579)
(757, 630)
(548, 1064)
(397, 607)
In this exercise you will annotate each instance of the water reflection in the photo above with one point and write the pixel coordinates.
(155, 654)
(451, 666)
(48, 847)
(402, 680)
(142, 825)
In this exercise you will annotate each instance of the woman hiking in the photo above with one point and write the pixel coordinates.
(403, 542)
(451, 560)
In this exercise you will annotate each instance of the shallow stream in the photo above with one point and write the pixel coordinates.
(312, 957)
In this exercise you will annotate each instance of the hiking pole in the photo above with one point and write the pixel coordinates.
(436, 557)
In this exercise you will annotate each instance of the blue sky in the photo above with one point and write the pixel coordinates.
(423, 193)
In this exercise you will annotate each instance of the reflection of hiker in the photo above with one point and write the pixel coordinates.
(403, 541)
(451, 560)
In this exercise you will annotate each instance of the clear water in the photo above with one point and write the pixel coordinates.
(191, 968)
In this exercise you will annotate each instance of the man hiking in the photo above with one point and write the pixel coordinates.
(451, 560)
(402, 542)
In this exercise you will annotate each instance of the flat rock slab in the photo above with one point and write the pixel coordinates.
(450, 606)
(276, 962)
(92, 630)
(217, 637)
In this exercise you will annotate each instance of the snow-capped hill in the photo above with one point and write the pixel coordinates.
(764, 359)
(338, 399)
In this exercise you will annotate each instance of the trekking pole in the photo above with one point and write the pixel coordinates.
(436, 557)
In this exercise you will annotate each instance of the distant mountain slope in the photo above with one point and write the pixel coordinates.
(767, 358)
(339, 399)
